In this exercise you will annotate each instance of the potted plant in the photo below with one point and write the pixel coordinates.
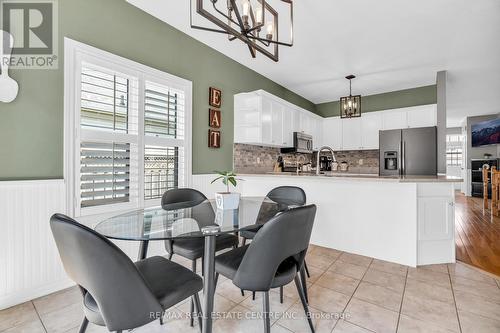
(227, 200)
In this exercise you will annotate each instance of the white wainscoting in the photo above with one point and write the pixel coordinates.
(30, 266)
(29, 262)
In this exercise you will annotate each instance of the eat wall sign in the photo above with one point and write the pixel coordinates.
(214, 117)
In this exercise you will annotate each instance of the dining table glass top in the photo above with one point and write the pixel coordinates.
(198, 220)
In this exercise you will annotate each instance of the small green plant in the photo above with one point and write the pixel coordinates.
(228, 177)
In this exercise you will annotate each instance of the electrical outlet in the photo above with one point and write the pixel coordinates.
(360, 161)
(258, 160)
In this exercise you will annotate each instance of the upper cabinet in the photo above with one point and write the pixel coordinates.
(393, 119)
(264, 119)
(363, 132)
(332, 132)
(371, 123)
(351, 133)
(422, 116)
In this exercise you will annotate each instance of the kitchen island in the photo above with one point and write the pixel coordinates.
(407, 220)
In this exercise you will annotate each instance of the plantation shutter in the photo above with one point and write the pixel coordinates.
(104, 173)
(164, 115)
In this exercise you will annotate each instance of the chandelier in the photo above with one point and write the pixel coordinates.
(253, 22)
(350, 106)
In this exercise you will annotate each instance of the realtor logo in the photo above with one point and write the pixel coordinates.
(33, 24)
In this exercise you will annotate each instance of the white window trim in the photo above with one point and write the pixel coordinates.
(76, 52)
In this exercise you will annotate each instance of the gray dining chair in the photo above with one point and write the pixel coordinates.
(118, 293)
(285, 196)
(193, 248)
(273, 259)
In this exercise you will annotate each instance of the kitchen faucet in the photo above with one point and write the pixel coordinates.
(319, 153)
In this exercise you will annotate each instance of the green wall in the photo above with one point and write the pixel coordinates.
(31, 128)
(391, 100)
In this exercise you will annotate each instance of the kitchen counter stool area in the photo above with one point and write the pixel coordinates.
(374, 295)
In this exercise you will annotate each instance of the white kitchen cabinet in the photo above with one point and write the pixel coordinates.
(277, 124)
(435, 223)
(435, 218)
(371, 124)
(266, 121)
(332, 132)
(289, 123)
(422, 116)
(317, 132)
(263, 119)
(394, 119)
(351, 133)
(305, 123)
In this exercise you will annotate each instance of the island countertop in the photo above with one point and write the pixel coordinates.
(360, 176)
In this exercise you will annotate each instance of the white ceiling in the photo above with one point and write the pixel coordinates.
(388, 44)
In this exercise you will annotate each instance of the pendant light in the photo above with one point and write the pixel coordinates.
(350, 106)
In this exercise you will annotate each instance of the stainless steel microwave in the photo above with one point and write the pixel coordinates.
(302, 143)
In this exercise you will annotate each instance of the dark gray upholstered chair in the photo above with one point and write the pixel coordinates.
(193, 248)
(283, 195)
(116, 292)
(286, 196)
(274, 257)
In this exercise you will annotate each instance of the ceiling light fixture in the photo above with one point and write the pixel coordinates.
(254, 22)
(350, 106)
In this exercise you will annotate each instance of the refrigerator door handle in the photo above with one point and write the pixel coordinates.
(400, 159)
(403, 158)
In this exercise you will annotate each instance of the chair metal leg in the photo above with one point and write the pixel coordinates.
(266, 314)
(307, 270)
(304, 303)
(242, 292)
(281, 295)
(83, 326)
(253, 295)
(304, 283)
(199, 314)
(191, 320)
(170, 255)
(216, 279)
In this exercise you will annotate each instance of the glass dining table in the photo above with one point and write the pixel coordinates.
(198, 220)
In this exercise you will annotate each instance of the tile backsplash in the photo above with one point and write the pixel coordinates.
(359, 161)
(260, 159)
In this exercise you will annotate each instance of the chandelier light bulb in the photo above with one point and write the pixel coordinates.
(269, 29)
(245, 7)
(258, 15)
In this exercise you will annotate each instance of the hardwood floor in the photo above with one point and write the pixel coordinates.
(477, 234)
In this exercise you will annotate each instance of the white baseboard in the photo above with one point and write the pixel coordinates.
(26, 295)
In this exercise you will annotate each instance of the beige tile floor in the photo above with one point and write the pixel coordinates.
(347, 293)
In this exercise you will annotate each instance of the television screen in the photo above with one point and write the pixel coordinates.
(486, 133)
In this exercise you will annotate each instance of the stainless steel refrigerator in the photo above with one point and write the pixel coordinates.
(410, 151)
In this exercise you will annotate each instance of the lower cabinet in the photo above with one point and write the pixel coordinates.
(436, 224)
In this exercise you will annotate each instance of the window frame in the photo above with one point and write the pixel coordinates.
(454, 150)
(75, 54)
